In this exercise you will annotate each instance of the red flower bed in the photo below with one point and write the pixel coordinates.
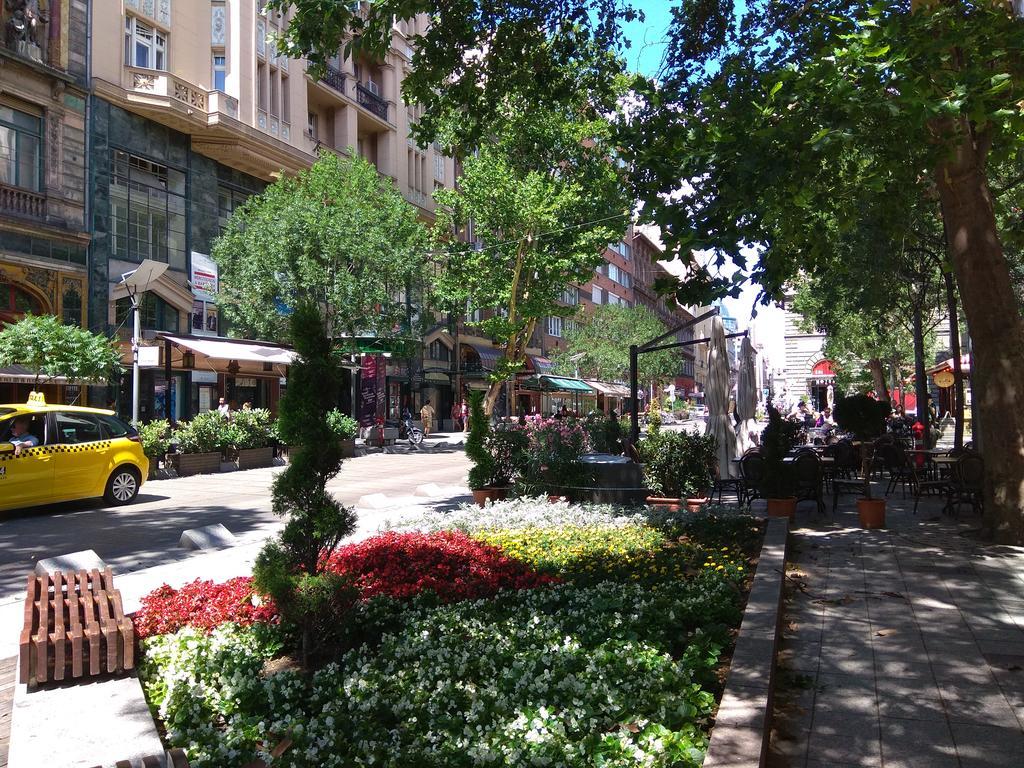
(450, 563)
(201, 604)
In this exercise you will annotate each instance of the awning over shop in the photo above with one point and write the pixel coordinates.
(555, 384)
(947, 365)
(489, 356)
(609, 390)
(19, 374)
(225, 349)
(541, 364)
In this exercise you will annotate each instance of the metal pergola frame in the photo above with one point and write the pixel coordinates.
(653, 345)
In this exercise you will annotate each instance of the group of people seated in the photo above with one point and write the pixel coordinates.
(810, 419)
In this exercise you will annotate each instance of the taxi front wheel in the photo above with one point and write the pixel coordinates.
(123, 486)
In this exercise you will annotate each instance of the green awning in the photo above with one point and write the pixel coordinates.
(567, 385)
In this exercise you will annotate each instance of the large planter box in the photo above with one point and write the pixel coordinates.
(254, 458)
(348, 448)
(198, 463)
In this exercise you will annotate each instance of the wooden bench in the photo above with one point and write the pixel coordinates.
(74, 626)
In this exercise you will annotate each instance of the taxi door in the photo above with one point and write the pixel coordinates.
(26, 479)
(81, 455)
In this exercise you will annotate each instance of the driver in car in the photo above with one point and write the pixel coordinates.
(20, 437)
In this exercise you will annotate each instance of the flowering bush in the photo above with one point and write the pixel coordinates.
(449, 563)
(561, 677)
(556, 447)
(615, 666)
(201, 604)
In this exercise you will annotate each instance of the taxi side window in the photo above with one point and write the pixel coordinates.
(113, 427)
(36, 426)
(73, 428)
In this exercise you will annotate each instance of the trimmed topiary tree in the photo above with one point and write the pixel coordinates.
(290, 569)
(864, 417)
(481, 474)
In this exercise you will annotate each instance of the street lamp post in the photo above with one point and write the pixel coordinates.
(135, 282)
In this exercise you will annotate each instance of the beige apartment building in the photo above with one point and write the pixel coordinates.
(192, 111)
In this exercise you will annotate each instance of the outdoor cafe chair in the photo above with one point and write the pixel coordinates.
(751, 474)
(897, 464)
(967, 483)
(807, 479)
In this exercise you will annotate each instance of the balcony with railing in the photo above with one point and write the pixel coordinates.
(371, 101)
(23, 203)
(154, 82)
(334, 78)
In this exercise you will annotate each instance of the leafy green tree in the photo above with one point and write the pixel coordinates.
(783, 117)
(475, 53)
(544, 201)
(768, 116)
(599, 345)
(291, 568)
(51, 349)
(340, 235)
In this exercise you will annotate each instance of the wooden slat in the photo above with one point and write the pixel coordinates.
(75, 617)
(25, 644)
(92, 629)
(58, 637)
(42, 634)
(109, 629)
(127, 631)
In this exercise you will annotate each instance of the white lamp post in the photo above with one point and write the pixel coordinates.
(135, 282)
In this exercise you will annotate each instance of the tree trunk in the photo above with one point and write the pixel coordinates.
(954, 348)
(920, 377)
(878, 378)
(997, 332)
(493, 391)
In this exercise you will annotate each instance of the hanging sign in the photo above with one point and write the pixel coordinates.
(204, 277)
(944, 379)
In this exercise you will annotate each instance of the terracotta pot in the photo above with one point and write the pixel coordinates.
(482, 495)
(782, 507)
(695, 504)
(555, 499)
(871, 513)
(670, 504)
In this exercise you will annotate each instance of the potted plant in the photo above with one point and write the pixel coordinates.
(864, 417)
(678, 466)
(156, 442)
(201, 444)
(251, 431)
(345, 429)
(555, 459)
(777, 440)
(483, 473)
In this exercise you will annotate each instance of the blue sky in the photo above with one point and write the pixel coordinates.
(647, 38)
(648, 42)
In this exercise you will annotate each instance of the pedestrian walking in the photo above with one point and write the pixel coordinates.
(456, 415)
(464, 416)
(427, 417)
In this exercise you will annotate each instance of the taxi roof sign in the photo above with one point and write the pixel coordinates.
(36, 398)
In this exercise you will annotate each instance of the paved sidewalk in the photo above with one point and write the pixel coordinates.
(904, 647)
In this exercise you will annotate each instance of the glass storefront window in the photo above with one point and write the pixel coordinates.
(147, 210)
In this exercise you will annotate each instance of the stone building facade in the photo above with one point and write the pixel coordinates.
(43, 197)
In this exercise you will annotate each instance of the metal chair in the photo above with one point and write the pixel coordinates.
(752, 473)
(807, 479)
(967, 483)
(896, 463)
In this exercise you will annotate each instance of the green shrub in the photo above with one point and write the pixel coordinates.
(252, 428)
(343, 426)
(678, 465)
(481, 474)
(206, 433)
(156, 438)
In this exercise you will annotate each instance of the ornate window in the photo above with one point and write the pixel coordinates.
(144, 46)
(16, 301)
(20, 155)
(147, 210)
(439, 351)
(71, 302)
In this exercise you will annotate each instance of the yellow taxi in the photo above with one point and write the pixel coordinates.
(51, 453)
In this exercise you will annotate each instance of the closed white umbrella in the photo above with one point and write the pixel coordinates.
(746, 398)
(717, 399)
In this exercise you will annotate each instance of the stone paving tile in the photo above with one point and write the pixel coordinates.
(981, 746)
(919, 622)
(842, 739)
(917, 744)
